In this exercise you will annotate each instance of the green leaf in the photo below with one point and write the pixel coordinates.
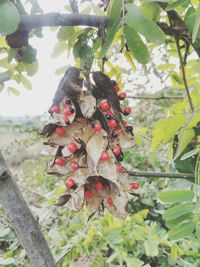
(185, 138)
(65, 32)
(151, 11)
(136, 45)
(187, 165)
(4, 232)
(129, 58)
(5, 262)
(112, 257)
(191, 153)
(196, 25)
(177, 4)
(59, 49)
(151, 247)
(32, 68)
(30, 55)
(166, 66)
(86, 54)
(173, 223)
(9, 17)
(166, 128)
(176, 196)
(177, 211)
(13, 91)
(174, 76)
(61, 70)
(114, 12)
(26, 83)
(181, 231)
(110, 34)
(140, 23)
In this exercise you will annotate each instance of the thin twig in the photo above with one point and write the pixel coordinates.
(183, 73)
(162, 174)
(74, 6)
(155, 97)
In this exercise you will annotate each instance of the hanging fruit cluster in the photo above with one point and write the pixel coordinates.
(88, 130)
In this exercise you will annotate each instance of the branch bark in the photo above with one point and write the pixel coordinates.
(155, 97)
(22, 221)
(188, 176)
(29, 22)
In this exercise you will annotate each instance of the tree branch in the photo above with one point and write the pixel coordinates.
(162, 174)
(155, 97)
(29, 22)
(183, 71)
(178, 27)
(22, 221)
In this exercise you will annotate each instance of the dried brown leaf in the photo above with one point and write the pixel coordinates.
(88, 106)
(85, 134)
(125, 182)
(119, 204)
(96, 146)
(62, 200)
(108, 168)
(75, 203)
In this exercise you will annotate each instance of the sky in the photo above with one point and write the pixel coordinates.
(44, 82)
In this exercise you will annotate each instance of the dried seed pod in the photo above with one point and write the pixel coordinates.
(90, 135)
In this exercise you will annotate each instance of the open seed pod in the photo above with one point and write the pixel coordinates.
(88, 130)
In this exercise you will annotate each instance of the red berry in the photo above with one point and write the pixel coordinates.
(99, 185)
(110, 201)
(117, 150)
(104, 156)
(60, 162)
(104, 106)
(122, 96)
(97, 127)
(88, 194)
(127, 110)
(120, 168)
(74, 165)
(112, 124)
(72, 147)
(55, 109)
(135, 186)
(60, 131)
(69, 183)
(68, 111)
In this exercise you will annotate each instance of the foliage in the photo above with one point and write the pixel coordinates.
(142, 239)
